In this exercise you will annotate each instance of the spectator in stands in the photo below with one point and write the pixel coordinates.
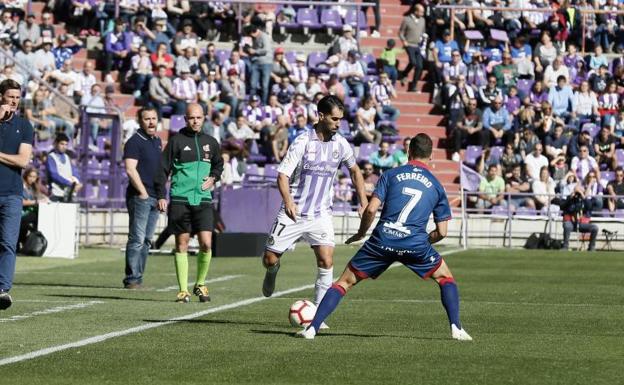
(411, 33)
(299, 72)
(280, 67)
(209, 92)
(452, 70)
(400, 155)
(561, 97)
(534, 162)
(382, 159)
(554, 71)
(599, 80)
(162, 58)
(546, 120)
(491, 190)
(240, 129)
(370, 179)
(365, 122)
(261, 57)
(334, 87)
(296, 108)
(476, 75)
(568, 184)
(161, 91)
(556, 143)
(615, 191)
(142, 154)
(496, 119)
(82, 18)
(545, 53)
(65, 75)
(33, 194)
(351, 74)
(576, 218)
(300, 125)
(489, 92)
(38, 112)
(84, 81)
(47, 27)
(176, 10)
(188, 61)
(25, 60)
(183, 91)
(186, 38)
(593, 193)
(64, 116)
(234, 62)
(233, 91)
(459, 96)
(604, 147)
(62, 174)
(347, 42)
(208, 62)
(117, 48)
(313, 115)
(522, 54)
(279, 138)
(506, 73)
(44, 58)
(383, 92)
(343, 192)
(141, 71)
(388, 59)
(7, 25)
(94, 103)
(215, 127)
(538, 95)
(609, 104)
(579, 74)
(254, 114)
(29, 30)
(598, 59)
(543, 188)
(67, 46)
(468, 128)
(161, 35)
(284, 90)
(442, 53)
(310, 87)
(582, 139)
(8, 72)
(272, 111)
(528, 140)
(586, 103)
(512, 101)
(584, 163)
(517, 184)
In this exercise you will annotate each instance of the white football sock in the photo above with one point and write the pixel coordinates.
(324, 280)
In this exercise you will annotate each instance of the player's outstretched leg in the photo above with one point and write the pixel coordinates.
(329, 303)
(450, 300)
(181, 265)
(325, 274)
(272, 264)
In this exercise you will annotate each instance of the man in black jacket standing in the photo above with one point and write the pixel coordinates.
(193, 159)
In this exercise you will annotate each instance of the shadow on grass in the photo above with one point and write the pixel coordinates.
(333, 334)
(104, 297)
(214, 321)
(65, 285)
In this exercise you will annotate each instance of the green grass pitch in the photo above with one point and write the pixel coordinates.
(537, 317)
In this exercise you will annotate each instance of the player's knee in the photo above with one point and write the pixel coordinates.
(445, 280)
(270, 259)
(325, 263)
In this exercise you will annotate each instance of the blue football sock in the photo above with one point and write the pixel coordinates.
(450, 300)
(328, 305)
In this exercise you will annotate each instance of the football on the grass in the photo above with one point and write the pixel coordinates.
(301, 313)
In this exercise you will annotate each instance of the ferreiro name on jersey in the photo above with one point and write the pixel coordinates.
(414, 176)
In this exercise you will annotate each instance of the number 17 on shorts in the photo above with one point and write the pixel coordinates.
(285, 232)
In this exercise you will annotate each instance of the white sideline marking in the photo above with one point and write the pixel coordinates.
(140, 328)
(52, 310)
(218, 279)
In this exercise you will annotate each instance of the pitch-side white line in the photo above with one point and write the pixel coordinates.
(218, 279)
(52, 310)
(140, 328)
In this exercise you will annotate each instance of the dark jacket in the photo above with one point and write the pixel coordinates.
(189, 157)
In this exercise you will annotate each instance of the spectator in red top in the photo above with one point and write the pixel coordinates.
(162, 58)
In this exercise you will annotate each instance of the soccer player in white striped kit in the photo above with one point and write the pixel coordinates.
(306, 182)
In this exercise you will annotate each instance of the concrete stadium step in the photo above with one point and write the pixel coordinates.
(411, 119)
(422, 97)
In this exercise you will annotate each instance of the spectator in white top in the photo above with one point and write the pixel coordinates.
(554, 70)
(383, 92)
(45, 62)
(209, 93)
(365, 120)
(253, 113)
(188, 60)
(29, 30)
(142, 71)
(582, 164)
(65, 75)
(534, 162)
(299, 72)
(184, 91)
(234, 62)
(586, 102)
(347, 42)
(8, 72)
(351, 74)
(94, 103)
(233, 91)
(295, 108)
(310, 88)
(26, 60)
(84, 81)
(272, 111)
(543, 188)
(240, 129)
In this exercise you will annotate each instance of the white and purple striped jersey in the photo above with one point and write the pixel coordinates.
(311, 165)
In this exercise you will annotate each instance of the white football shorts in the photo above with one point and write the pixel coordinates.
(285, 232)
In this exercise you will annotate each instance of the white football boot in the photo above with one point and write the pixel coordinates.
(308, 333)
(459, 334)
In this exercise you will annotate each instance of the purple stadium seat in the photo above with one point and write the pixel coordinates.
(341, 207)
(591, 128)
(308, 18)
(619, 155)
(607, 176)
(355, 19)
(291, 57)
(499, 210)
(366, 149)
(619, 213)
(270, 170)
(177, 123)
(524, 86)
(222, 55)
(472, 154)
(352, 104)
(371, 63)
(496, 152)
(344, 128)
(93, 168)
(316, 59)
(103, 196)
(90, 191)
(526, 211)
(331, 19)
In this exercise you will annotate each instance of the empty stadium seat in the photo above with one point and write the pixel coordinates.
(472, 154)
(177, 123)
(222, 55)
(356, 19)
(308, 18)
(366, 149)
(316, 62)
(330, 18)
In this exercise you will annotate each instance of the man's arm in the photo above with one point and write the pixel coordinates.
(290, 207)
(358, 182)
(135, 178)
(367, 219)
(21, 159)
(439, 233)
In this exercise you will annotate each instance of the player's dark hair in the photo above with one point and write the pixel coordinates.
(420, 147)
(61, 137)
(9, 84)
(143, 110)
(328, 103)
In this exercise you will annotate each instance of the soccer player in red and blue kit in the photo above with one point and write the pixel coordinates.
(409, 194)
